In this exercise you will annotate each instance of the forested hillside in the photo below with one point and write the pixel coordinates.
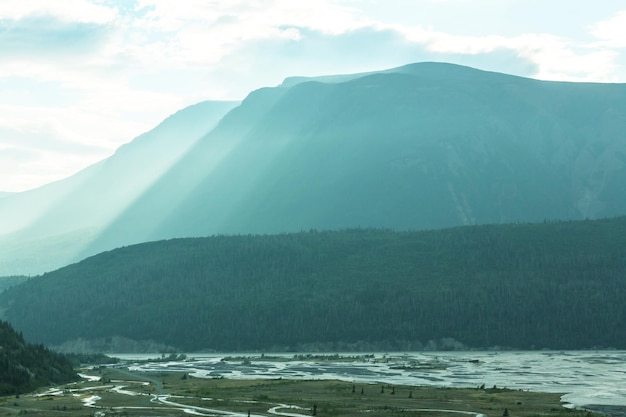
(555, 285)
(25, 367)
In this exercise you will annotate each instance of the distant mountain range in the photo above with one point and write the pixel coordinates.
(423, 146)
(558, 285)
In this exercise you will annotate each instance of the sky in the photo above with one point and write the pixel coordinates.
(79, 78)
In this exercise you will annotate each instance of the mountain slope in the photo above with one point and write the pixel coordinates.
(46, 228)
(552, 285)
(25, 367)
(422, 146)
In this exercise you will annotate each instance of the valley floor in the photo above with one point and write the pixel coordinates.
(116, 392)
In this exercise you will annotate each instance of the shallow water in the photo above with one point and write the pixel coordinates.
(585, 378)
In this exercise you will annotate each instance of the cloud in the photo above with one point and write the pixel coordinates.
(13, 157)
(55, 41)
(255, 19)
(611, 32)
(187, 34)
(80, 11)
(267, 62)
(42, 37)
(236, 32)
(26, 155)
(552, 57)
(367, 48)
(42, 135)
(191, 36)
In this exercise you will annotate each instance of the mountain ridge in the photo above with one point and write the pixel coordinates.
(288, 106)
(426, 145)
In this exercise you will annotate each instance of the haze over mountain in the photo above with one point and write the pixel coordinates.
(417, 147)
(46, 228)
(422, 146)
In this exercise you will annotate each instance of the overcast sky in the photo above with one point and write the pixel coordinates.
(78, 78)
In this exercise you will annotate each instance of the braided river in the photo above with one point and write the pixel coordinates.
(593, 380)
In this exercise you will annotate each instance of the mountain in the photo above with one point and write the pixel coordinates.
(558, 285)
(418, 147)
(25, 367)
(46, 228)
(424, 146)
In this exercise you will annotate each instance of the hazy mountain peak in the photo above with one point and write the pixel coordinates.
(433, 70)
